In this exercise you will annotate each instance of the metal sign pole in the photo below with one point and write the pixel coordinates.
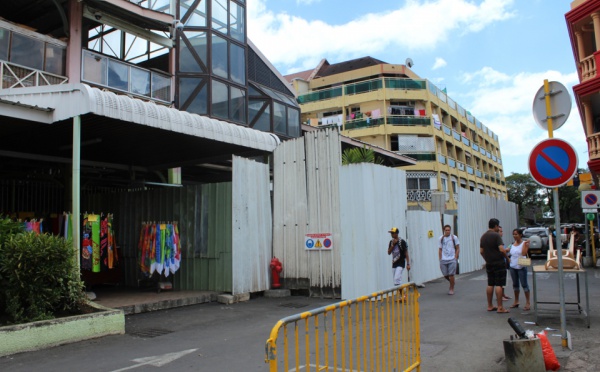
(561, 281)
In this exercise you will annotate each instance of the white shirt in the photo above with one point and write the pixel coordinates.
(448, 251)
(516, 252)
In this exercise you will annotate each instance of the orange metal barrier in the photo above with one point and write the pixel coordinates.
(379, 332)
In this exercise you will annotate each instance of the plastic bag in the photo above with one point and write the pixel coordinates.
(550, 359)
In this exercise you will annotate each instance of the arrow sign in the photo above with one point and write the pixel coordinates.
(552, 162)
(158, 360)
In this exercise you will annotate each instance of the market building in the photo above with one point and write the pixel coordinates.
(388, 105)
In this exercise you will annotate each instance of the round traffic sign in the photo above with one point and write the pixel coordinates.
(590, 216)
(560, 105)
(590, 199)
(552, 162)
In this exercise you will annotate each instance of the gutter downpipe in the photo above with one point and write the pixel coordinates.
(76, 189)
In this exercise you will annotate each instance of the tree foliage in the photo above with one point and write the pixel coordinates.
(360, 155)
(530, 196)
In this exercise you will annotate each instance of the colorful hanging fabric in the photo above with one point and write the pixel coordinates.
(86, 244)
(103, 243)
(158, 249)
(95, 220)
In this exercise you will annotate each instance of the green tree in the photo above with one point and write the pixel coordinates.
(526, 193)
(360, 155)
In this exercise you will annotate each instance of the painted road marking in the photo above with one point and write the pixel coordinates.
(158, 360)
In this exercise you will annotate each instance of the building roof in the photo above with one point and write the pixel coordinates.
(351, 65)
(118, 131)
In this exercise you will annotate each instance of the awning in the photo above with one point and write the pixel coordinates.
(51, 104)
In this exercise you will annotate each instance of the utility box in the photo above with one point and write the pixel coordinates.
(524, 355)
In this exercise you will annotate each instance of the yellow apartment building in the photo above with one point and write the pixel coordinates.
(389, 106)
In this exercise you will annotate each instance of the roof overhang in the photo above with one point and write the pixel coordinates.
(390, 158)
(121, 137)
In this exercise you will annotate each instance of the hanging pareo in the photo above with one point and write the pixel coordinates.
(159, 248)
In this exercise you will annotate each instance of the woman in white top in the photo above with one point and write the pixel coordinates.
(518, 273)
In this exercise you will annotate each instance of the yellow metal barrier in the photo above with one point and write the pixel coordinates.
(379, 332)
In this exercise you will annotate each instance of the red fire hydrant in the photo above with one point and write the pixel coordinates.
(276, 268)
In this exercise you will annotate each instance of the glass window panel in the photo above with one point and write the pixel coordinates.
(161, 87)
(293, 122)
(279, 118)
(252, 91)
(94, 68)
(198, 15)
(187, 62)
(118, 75)
(412, 183)
(237, 64)
(238, 105)
(219, 15)
(236, 22)
(219, 56)
(27, 51)
(4, 39)
(220, 100)
(199, 104)
(140, 81)
(264, 121)
(135, 47)
(424, 184)
(111, 42)
(55, 59)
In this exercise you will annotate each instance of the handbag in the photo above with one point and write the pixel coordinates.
(524, 261)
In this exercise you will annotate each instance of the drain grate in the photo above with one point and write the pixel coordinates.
(294, 305)
(149, 333)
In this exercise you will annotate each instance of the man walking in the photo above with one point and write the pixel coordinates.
(399, 251)
(449, 248)
(492, 250)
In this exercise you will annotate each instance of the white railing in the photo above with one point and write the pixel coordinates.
(418, 195)
(17, 76)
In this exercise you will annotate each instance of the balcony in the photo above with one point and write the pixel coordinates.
(363, 123)
(100, 70)
(478, 173)
(475, 146)
(594, 146)
(418, 195)
(16, 76)
(420, 156)
(588, 67)
(408, 120)
(466, 141)
(456, 135)
(451, 163)
(447, 130)
(460, 166)
(470, 169)
(441, 159)
(361, 87)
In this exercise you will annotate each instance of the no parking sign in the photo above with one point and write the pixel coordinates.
(552, 162)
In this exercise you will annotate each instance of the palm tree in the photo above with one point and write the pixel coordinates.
(360, 155)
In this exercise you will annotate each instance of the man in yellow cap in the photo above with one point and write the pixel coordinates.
(399, 251)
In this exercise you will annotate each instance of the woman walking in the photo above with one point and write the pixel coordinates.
(518, 273)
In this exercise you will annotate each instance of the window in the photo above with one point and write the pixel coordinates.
(444, 184)
(418, 184)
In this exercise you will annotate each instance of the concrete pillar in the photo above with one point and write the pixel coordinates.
(589, 119)
(580, 49)
(596, 19)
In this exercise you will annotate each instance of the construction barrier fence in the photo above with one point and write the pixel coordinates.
(378, 332)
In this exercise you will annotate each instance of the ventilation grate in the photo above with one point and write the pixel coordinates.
(294, 305)
(149, 333)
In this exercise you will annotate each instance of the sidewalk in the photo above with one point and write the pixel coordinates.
(457, 333)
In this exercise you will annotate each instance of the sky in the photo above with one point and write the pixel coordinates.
(492, 56)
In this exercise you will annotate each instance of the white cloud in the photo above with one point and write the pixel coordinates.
(306, 2)
(294, 42)
(503, 103)
(439, 63)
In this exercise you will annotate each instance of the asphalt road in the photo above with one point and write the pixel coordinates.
(457, 333)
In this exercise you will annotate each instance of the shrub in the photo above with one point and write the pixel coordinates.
(40, 277)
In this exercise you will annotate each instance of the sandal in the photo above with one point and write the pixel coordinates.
(527, 308)
(514, 305)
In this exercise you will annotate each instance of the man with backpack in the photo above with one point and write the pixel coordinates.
(399, 251)
(449, 248)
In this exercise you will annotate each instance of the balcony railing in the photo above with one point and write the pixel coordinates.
(408, 120)
(16, 76)
(460, 166)
(469, 169)
(420, 156)
(594, 146)
(466, 141)
(361, 87)
(418, 195)
(441, 159)
(475, 146)
(447, 130)
(451, 163)
(117, 75)
(588, 68)
(456, 135)
(478, 173)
